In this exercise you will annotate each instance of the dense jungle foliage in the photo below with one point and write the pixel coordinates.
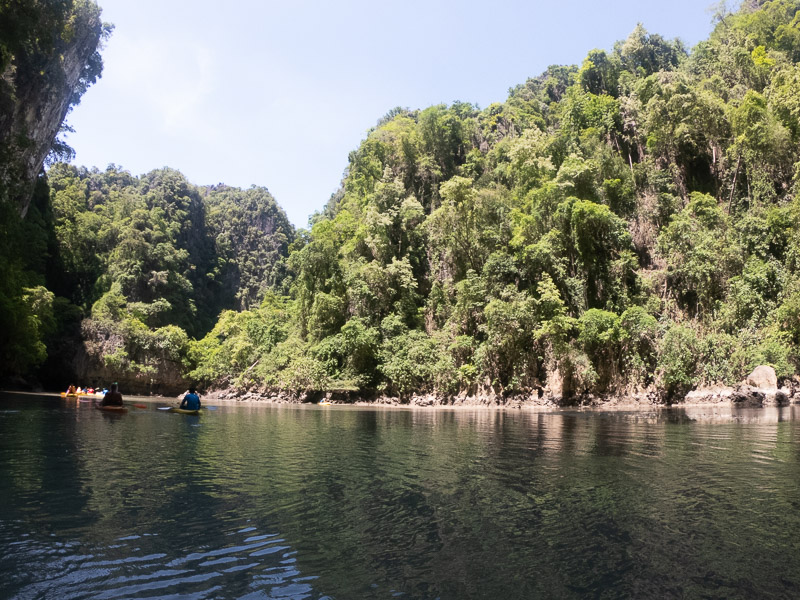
(623, 224)
(49, 56)
(149, 262)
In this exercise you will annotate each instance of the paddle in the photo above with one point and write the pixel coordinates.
(164, 408)
(140, 405)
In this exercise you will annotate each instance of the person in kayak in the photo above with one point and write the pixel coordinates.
(191, 401)
(112, 397)
(72, 390)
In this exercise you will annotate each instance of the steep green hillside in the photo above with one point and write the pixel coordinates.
(623, 224)
(151, 261)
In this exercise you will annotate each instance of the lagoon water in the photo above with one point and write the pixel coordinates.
(266, 501)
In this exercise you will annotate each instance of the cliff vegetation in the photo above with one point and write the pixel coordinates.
(624, 226)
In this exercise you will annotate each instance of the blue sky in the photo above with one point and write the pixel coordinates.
(277, 94)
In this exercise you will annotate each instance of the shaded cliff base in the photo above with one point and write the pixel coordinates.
(759, 389)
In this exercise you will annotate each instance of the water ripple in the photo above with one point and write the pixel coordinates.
(298, 502)
(136, 573)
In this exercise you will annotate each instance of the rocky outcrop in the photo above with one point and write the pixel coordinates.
(110, 353)
(713, 394)
(748, 396)
(760, 388)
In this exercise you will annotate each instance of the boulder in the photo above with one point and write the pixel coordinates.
(763, 377)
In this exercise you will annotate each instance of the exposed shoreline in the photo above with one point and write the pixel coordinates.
(709, 411)
(744, 395)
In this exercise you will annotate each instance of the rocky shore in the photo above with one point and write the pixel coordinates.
(759, 389)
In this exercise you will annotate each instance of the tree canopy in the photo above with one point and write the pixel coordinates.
(622, 224)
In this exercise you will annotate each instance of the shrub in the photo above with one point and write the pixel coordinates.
(677, 360)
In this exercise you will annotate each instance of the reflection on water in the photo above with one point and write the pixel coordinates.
(315, 502)
(129, 567)
(727, 414)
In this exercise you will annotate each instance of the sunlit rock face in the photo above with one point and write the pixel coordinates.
(763, 377)
(39, 83)
(106, 355)
(760, 388)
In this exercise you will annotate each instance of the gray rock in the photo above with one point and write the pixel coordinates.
(763, 377)
(781, 398)
(427, 400)
(714, 394)
(748, 396)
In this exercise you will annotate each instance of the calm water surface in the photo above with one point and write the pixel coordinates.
(341, 502)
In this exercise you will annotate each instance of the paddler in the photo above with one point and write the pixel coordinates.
(112, 397)
(191, 401)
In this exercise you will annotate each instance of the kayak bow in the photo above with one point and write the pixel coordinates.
(181, 411)
(113, 409)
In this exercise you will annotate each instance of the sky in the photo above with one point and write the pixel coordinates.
(277, 94)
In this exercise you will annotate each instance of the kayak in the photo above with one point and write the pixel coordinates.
(324, 403)
(113, 409)
(66, 395)
(183, 411)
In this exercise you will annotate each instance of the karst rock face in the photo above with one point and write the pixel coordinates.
(39, 82)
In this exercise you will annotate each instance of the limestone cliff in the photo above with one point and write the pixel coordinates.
(43, 73)
(111, 352)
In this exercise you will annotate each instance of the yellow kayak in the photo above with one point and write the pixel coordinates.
(112, 409)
